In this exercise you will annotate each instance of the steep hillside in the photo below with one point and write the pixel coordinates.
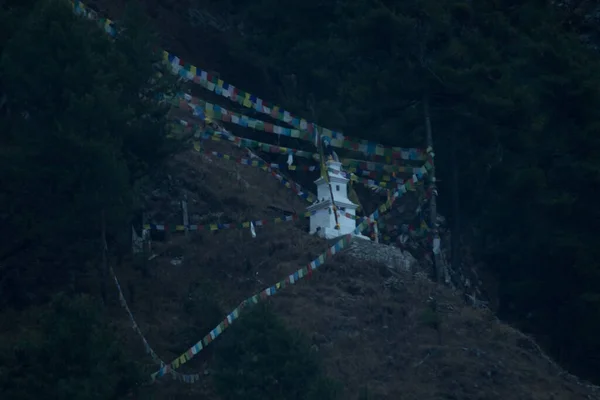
(390, 332)
(456, 349)
(499, 75)
(386, 330)
(239, 301)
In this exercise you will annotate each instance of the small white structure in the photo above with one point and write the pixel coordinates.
(322, 219)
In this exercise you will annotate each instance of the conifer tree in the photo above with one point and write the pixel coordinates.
(80, 125)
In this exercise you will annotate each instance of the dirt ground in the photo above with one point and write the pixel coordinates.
(373, 328)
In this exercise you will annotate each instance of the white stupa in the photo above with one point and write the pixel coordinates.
(322, 219)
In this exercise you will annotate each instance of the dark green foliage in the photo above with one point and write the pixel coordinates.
(71, 355)
(75, 137)
(260, 359)
(364, 394)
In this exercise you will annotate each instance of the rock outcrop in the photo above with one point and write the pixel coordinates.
(393, 257)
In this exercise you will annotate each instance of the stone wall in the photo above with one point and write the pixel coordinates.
(391, 256)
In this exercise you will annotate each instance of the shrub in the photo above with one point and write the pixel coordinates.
(73, 355)
(260, 359)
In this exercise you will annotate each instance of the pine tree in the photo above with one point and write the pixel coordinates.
(81, 124)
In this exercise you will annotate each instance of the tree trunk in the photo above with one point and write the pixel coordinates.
(184, 210)
(104, 267)
(324, 171)
(439, 269)
(456, 220)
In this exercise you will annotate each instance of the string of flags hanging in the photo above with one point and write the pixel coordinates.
(390, 183)
(227, 226)
(389, 156)
(201, 108)
(248, 100)
(237, 225)
(351, 165)
(304, 129)
(291, 279)
(240, 141)
(243, 142)
(199, 131)
(253, 162)
(176, 375)
(293, 186)
(228, 91)
(204, 114)
(371, 182)
(205, 127)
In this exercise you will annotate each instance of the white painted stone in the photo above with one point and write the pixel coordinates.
(322, 221)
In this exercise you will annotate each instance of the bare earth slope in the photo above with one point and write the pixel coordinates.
(374, 327)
